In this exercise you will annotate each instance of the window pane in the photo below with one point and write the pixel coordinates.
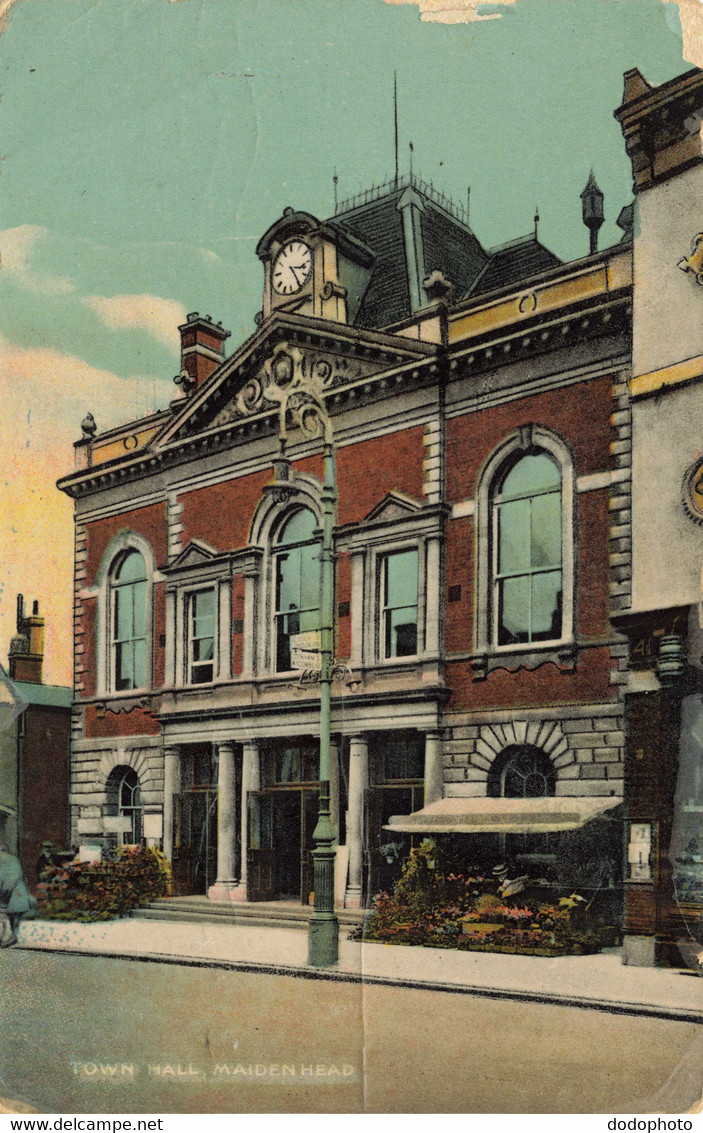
(401, 579)
(124, 669)
(204, 649)
(124, 610)
(309, 577)
(513, 610)
(299, 528)
(282, 645)
(514, 537)
(546, 530)
(132, 568)
(546, 606)
(401, 632)
(531, 474)
(307, 620)
(288, 581)
(139, 608)
(139, 664)
(394, 759)
(204, 604)
(288, 766)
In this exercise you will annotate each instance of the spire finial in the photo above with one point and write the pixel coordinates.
(335, 181)
(536, 220)
(592, 210)
(411, 161)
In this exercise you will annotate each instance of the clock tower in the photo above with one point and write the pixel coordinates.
(313, 268)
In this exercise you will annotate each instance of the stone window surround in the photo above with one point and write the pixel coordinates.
(184, 581)
(301, 491)
(101, 591)
(488, 654)
(368, 544)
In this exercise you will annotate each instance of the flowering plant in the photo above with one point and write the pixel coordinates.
(97, 891)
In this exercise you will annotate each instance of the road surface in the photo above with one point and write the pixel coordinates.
(95, 1035)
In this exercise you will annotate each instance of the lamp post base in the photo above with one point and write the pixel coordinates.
(323, 947)
(323, 943)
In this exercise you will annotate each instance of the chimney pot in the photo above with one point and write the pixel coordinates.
(202, 348)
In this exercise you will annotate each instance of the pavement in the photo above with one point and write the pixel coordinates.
(599, 982)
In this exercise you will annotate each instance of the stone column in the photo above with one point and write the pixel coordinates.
(358, 782)
(250, 782)
(172, 783)
(226, 818)
(434, 778)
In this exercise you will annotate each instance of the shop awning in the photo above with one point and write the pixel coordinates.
(501, 816)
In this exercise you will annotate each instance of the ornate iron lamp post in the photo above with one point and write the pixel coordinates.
(301, 402)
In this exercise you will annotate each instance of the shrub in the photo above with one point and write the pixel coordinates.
(99, 891)
(434, 906)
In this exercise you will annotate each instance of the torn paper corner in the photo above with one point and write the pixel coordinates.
(456, 11)
(466, 11)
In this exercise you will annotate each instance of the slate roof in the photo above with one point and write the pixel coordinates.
(47, 696)
(512, 262)
(448, 244)
(379, 224)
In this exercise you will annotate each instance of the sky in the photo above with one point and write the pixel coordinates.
(146, 145)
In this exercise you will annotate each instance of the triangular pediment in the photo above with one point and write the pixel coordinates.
(197, 553)
(288, 349)
(396, 505)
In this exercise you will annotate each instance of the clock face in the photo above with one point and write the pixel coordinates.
(291, 268)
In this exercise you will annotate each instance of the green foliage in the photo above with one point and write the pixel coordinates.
(434, 906)
(99, 891)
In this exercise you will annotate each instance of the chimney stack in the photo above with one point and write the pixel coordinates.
(27, 647)
(202, 347)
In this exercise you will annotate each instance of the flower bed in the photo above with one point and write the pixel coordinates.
(439, 909)
(99, 891)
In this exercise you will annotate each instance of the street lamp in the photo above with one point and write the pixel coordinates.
(301, 401)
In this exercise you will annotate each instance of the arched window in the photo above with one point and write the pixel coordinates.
(297, 577)
(522, 772)
(124, 799)
(527, 558)
(128, 620)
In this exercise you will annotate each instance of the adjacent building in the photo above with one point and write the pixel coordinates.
(35, 730)
(664, 620)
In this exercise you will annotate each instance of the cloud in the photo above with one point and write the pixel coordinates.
(159, 317)
(17, 249)
(50, 393)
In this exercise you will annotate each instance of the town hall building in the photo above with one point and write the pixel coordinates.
(481, 416)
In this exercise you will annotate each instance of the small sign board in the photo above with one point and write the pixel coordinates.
(153, 825)
(117, 823)
(306, 650)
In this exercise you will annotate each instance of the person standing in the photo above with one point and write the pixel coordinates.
(15, 898)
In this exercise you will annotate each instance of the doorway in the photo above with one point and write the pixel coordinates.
(281, 825)
(195, 823)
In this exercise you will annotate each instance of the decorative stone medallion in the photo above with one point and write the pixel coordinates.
(692, 491)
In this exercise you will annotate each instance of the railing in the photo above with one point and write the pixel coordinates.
(391, 184)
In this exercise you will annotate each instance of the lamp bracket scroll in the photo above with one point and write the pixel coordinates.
(694, 262)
